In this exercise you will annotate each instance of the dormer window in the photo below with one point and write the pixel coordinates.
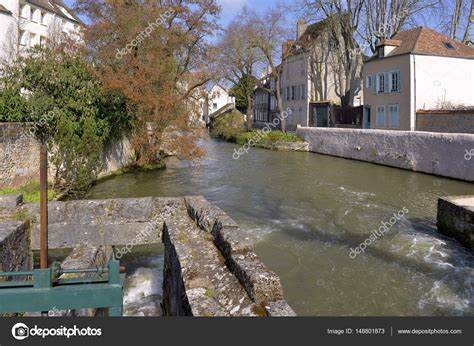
(381, 52)
(448, 45)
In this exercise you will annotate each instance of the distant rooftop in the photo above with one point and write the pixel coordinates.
(426, 41)
(58, 7)
(4, 10)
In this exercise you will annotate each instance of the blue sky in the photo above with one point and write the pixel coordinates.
(229, 7)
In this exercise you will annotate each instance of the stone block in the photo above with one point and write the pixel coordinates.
(456, 218)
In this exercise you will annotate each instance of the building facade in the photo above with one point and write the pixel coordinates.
(213, 100)
(27, 23)
(418, 69)
(312, 79)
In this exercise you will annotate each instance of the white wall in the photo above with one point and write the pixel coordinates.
(7, 36)
(219, 97)
(433, 153)
(34, 28)
(441, 79)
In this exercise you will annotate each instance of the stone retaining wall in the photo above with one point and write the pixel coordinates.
(283, 146)
(456, 218)
(433, 153)
(15, 252)
(19, 155)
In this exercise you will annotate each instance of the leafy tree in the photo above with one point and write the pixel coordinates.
(61, 95)
(239, 60)
(244, 99)
(157, 54)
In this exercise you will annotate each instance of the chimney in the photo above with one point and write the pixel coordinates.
(285, 47)
(300, 28)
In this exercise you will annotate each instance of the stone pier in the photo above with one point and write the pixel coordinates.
(456, 218)
(210, 266)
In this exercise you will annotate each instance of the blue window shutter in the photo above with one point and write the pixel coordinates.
(399, 81)
(387, 83)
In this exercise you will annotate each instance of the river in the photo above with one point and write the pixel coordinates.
(305, 212)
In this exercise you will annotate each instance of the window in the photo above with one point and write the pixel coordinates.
(395, 81)
(293, 94)
(380, 83)
(25, 11)
(32, 40)
(214, 106)
(43, 41)
(43, 18)
(287, 93)
(23, 38)
(393, 116)
(368, 82)
(448, 45)
(36, 16)
(381, 116)
(303, 92)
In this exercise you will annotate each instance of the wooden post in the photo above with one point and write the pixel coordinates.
(43, 206)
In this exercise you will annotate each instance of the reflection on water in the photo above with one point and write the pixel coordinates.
(306, 211)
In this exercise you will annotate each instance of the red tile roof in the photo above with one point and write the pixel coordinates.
(426, 41)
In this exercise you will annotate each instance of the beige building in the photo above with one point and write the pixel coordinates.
(419, 69)
(313, 79)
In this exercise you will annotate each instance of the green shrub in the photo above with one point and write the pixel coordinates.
(272, 136)
(228, 126)
(63, 97)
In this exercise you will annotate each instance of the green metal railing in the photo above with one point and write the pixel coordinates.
(45, 290)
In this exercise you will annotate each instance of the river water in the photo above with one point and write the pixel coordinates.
(305, 212)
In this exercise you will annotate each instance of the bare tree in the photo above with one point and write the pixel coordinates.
(345, 17)
(456, 19)
(266, 33)
(470, 20)
(386, 18)
(239, 58)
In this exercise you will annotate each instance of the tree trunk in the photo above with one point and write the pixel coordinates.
(467, 34)
(456, 19)
(249, 122)
(280, 103)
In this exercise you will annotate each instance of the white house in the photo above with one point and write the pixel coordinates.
(419, 69)
(214, 100)
(26, 23)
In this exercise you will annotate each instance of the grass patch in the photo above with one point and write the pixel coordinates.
(21, 215)
(30, 191)
(210, 293)
(272, 136)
